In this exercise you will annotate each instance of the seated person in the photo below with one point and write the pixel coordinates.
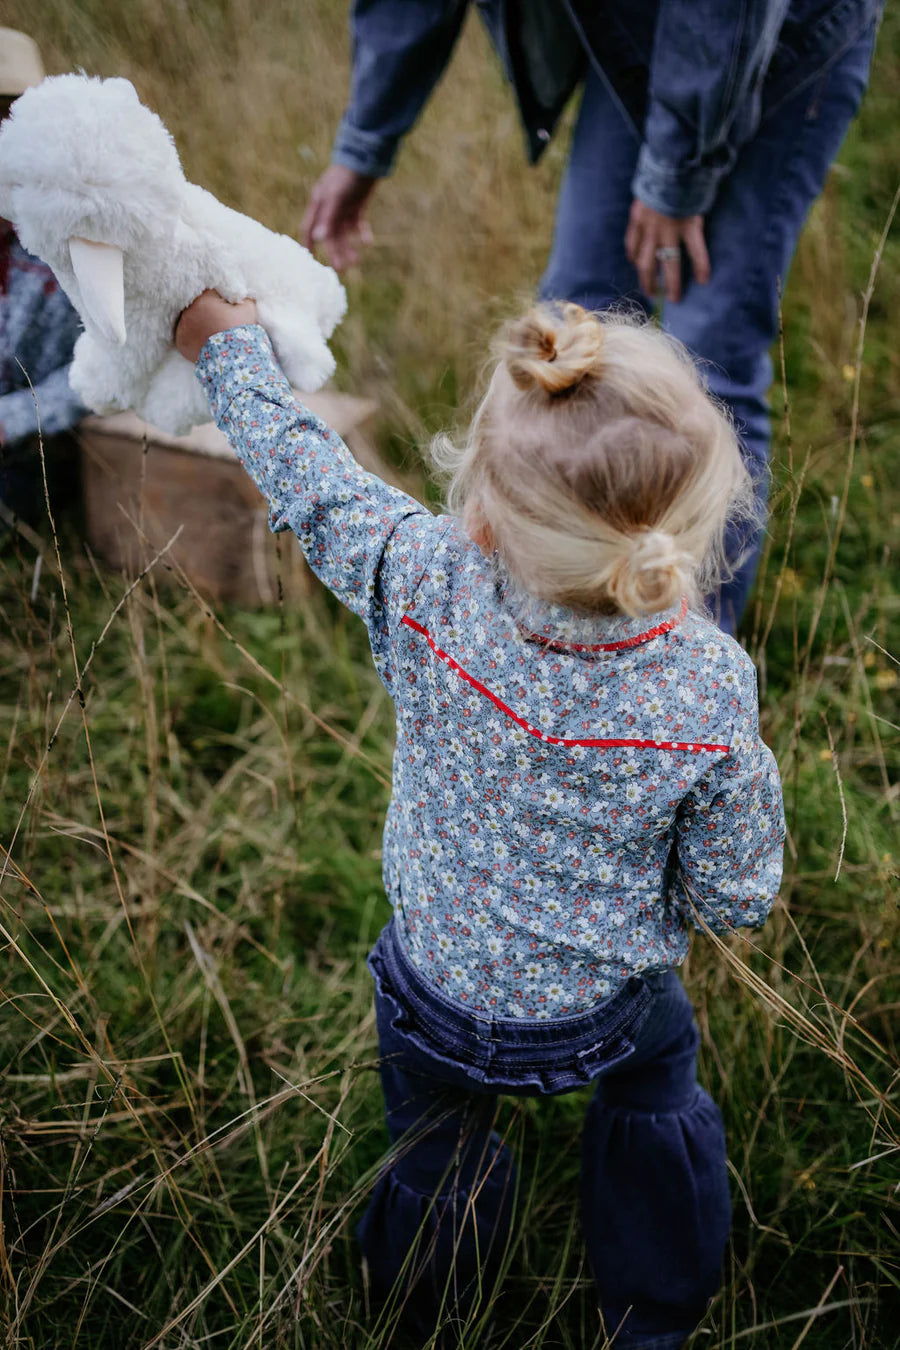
(38, 328)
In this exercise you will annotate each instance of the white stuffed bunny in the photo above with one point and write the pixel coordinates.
(92, 182)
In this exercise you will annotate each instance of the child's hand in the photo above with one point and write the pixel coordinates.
(206, 315)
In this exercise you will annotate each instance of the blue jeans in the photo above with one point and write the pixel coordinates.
(655, 1206)
(751, 233)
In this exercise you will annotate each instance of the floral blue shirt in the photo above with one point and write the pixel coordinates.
(565, 786)
(38, 328)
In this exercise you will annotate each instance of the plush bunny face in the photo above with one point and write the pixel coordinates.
(84, 158)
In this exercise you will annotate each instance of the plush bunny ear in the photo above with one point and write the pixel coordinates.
(99, 272)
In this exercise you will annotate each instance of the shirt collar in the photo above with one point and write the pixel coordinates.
(560, 628)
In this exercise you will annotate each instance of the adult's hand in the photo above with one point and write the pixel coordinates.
(335, 215)
(206, 315)
(649, 232)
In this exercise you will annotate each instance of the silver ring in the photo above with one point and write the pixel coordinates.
(670, 254)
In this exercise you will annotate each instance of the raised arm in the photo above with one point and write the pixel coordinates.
(730, 829)
(368, 542)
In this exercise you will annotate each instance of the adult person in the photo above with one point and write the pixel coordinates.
(38, 328)
(705, 132)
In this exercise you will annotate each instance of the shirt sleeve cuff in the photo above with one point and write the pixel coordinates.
(366, 152)
(674, 191)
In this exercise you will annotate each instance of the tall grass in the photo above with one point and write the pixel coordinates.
(191, 796)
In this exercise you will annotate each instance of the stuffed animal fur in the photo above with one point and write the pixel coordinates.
(92, 181)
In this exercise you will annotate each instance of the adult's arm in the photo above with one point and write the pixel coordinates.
(709, 61)
(400, 49)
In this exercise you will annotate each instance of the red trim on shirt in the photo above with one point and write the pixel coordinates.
(593, 742)
(556, 645)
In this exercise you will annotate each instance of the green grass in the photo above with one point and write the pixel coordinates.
(190, 1113)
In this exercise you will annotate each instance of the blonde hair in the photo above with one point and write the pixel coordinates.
(598, 465)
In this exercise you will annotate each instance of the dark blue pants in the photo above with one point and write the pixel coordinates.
(751, 232)
(655, 1206)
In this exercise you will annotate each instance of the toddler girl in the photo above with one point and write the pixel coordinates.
(578, 776)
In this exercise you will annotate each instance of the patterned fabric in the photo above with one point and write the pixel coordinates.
(562, 782)
(38, 328)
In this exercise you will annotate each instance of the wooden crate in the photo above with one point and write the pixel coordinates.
(140, 485)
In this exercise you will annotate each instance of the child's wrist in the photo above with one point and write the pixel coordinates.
(207, 315)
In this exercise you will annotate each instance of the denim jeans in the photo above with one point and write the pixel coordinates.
(751, 233)
(655, 1208)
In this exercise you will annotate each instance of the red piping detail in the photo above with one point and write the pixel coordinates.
(555, 645)
(592, 742)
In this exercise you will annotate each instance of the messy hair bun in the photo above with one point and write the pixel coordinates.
(552, 348)
(648, 573)
(597, 465)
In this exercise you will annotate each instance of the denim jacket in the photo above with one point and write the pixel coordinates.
(693, 78)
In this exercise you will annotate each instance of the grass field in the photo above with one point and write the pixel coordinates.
(191, 799)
